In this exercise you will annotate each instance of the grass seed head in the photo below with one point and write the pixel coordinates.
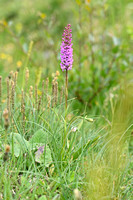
(6, 118)
(77, 194)
(7, 148)
(5, 114)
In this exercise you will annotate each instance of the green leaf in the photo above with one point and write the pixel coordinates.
(43, 155)
(43, 198)
(19, 144)
(39, 137)
(72, 176)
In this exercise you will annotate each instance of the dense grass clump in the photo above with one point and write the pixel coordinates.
(46, 144)
(46, 149)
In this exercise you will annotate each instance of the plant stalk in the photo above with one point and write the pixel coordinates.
(66, 90)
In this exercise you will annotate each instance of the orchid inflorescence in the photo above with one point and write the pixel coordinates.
(66, 52)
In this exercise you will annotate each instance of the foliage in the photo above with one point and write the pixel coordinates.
(46, 150)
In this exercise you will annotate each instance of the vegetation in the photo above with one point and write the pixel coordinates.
(66, 137)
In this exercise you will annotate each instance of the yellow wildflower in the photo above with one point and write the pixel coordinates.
(3, 100)
(19, 63)
(88, 1)
(3, 56)
(42, 15)
(4, 23)
(39, 92)
(57, 73)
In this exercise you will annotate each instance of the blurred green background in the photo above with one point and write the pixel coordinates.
(102, 43)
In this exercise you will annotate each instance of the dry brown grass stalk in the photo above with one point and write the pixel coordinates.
(6, 118)
(53, 93)
(49, 102)
(31, 92)
(22, 99)
(42, 89)
(26, 79)
(11, 75)
(12, 94)
(8, 95)
(6, 153)
(36, 97)
(15, 79)
(39, 103)
(42, 101)
(56, 93)
(47, 85)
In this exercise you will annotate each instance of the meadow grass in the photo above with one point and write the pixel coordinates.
(47, 145)
(108, 169)
(82, 150)
(48, 151)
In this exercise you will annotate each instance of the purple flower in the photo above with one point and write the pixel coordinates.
(66, 52)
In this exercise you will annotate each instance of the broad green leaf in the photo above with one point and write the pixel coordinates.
(43, 198)
(19, 144)
(43, 155)
(39, 137)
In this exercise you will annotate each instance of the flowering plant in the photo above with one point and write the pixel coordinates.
(66, 52)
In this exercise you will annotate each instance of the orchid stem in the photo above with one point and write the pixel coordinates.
(66, 91)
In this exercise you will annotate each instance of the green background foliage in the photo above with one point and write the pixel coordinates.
(89, 146)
